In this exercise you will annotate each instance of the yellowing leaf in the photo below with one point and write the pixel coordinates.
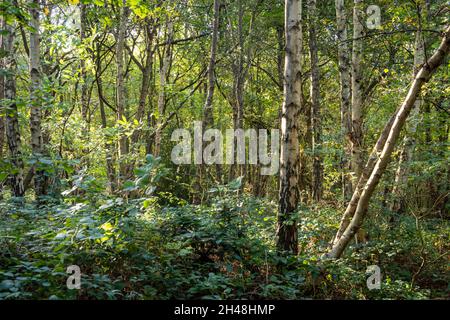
(74, 2)
(46, 11)
(107, 226)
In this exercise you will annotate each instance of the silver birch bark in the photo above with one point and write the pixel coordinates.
(287, 239)
(35, 96)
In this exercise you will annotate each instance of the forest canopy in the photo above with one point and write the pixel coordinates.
(224, 149)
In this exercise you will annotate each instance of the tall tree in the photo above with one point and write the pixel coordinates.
(164, 67)
(289, 157)
(208, 120)
(345, 93)
(84, 84)
(378, 162)
(357, 95)
(120, 90)
(37, 144)
(317, 174)
(147, 71)
(12, 122)
(109, 147)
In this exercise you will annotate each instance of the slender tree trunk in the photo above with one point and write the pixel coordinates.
(109, 148)
(208, 120)
(357, 97)
(84, 84)
(12, 122)
(289, 158)
(357, 209)
(345, 81)
(164, 67)
(317, 175)
(36, 97)
(146, 76)
(238, 87)
(120, 94)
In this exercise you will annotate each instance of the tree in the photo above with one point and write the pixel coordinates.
(37, 145)
(120, 95)
(10, 106)
(289, 156)
(208, 119)
(164, 67)
(375, 169)
(317, 171)
(357, 94)
(345, 93)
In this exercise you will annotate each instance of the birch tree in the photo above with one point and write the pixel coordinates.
(35, 96)
(12, 122)
(289, 157)
(378, 162)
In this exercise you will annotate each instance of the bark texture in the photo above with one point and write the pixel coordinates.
(37, 144)
(287, 239)
(12, 122)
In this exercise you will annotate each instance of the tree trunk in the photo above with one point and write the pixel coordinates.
(84, 85)
(358, 209)
(164, 67)
(208, 120)
(146, 76)
(109, 148)
(237, 170)
(12, 122)
(357, 98)
(345, 93)
(120, 94)
(289, 158)
(36, 97)
(317, 174)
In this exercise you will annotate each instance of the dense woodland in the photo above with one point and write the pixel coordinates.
(92, 92)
